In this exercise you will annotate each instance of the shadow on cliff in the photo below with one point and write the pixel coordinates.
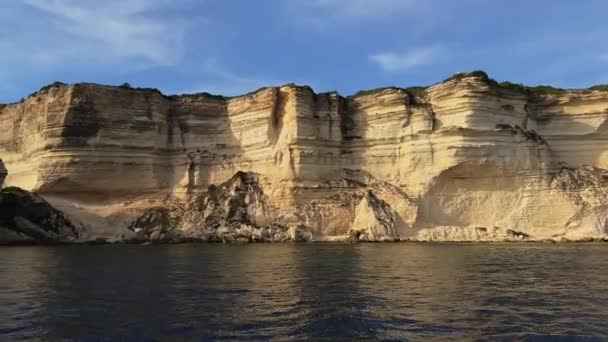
(567, 130)
(203, 143)
(357, 152)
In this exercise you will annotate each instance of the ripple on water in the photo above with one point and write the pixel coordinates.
(309, 291)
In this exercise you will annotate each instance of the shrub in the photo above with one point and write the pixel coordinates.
(372, 91)
(202, 94)
(476, 73)
(602, 87)
(52, 85)
(541, 89)
(513, 86)
(416, 90)
(43, 89)
(12, 189)
(545, 89)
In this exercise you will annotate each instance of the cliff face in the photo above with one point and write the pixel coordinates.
(464, 159)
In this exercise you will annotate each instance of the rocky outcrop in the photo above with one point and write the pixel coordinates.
(237, 210)
(374, 219)
(465, 159)
(27, 218)
(240, 210)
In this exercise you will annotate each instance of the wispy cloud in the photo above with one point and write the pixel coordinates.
(363, 9)
(561, 58)
(218, 79)
(322, 15)
(406, 60)
(95, 33)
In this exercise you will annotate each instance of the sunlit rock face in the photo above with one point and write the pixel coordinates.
(464, 159)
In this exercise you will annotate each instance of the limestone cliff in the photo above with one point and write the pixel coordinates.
(464, 159)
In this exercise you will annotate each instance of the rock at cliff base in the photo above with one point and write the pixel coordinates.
(26, 217)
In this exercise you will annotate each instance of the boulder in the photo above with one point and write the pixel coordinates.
(31, 218)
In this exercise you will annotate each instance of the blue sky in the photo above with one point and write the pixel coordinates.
(234, 46)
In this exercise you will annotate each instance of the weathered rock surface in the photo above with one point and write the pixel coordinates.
(465, 159)
(26, 217)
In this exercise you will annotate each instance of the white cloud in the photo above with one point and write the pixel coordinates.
(218, 79)
(222, 81)
(324, 15)
(74, 32)
(403, 61)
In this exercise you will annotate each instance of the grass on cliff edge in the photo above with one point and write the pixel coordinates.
(601, 87)
(415, 90)
(12, 189)
(541, 89)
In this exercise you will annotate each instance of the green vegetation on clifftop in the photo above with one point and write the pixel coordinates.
(540, 89)
(12, 190)
(373, 91)
(601, 87)
(476, 73)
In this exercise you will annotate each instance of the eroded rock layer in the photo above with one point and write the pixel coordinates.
(464, 159)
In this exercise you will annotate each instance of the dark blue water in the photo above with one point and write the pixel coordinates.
(305, 291)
